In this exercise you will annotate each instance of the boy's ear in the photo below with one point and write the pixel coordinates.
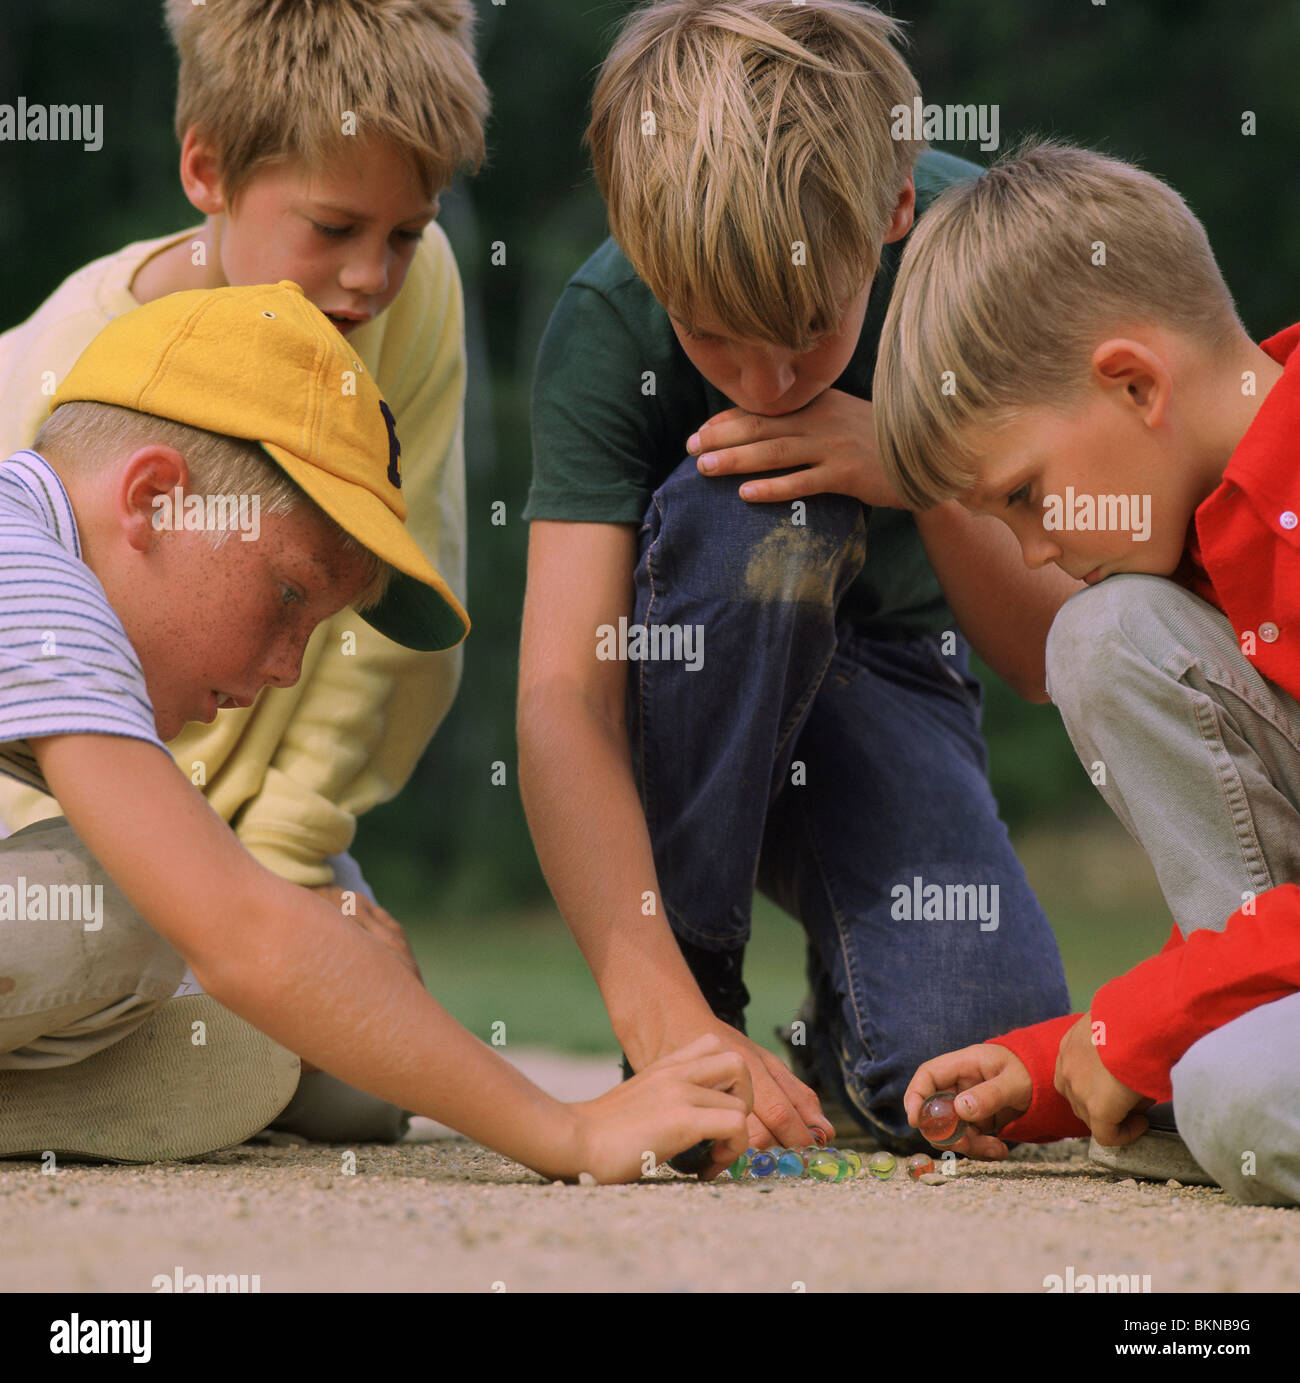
(145, 493)
(1125, 364)
(201, 174)
(904, 213)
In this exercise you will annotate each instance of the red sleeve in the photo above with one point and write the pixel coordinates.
(1049, 1115)
(1159, 1008)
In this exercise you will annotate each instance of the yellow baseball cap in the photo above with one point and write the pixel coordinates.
(265, 364)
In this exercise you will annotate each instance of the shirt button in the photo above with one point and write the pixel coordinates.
(1287, 518)
(1268, 631)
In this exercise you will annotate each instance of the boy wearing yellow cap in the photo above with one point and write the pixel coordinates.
(121, 625)
(315, 140)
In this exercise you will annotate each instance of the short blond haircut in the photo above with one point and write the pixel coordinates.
(1009, 284)
(723, 134)
(79, 435)
(269, 80)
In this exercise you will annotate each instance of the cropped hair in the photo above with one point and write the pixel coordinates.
(745, 155)
(80, 434)
(1008, 285)
(267, 80)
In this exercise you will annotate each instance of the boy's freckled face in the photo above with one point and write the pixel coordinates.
(346, 235)
(222, 624)
(1045, 475)
(771, 380)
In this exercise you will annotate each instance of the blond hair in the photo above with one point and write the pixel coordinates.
(266, 80)
(726, 135)
(79, 435)
(1009, 284)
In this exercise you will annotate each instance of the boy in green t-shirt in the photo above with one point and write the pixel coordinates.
(798, 711)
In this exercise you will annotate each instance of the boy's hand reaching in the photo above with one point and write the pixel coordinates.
(993, 1088)
(1105, 1104)
(382, 925)
(833, 436)
(784, 1109)
(696, 1093)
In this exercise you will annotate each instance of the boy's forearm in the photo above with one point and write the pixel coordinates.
(322, 987)
(287, 961)
(1003, 608)
(590, 835)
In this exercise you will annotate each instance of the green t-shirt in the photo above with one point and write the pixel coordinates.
(602, 445)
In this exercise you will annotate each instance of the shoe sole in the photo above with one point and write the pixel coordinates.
(1155, 1156)
(155, 1096)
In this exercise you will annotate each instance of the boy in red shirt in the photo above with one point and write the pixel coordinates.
(1083, 375)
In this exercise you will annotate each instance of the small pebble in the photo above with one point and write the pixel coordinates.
(1176, 1185)
(586, 1179)
(934, 1179)
(1128, 1181)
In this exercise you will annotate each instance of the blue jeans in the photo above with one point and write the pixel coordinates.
(845, 776)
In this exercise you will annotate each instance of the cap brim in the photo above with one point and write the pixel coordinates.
(416, 616)
(419, 610)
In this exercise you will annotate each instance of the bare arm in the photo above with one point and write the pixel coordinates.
(1002, 607)
(290, 964)
(588, 827)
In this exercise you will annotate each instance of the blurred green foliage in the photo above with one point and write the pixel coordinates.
(1164, 83)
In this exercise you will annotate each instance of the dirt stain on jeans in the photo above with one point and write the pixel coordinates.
(799, 566)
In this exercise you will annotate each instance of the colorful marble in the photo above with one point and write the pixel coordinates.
(824, 1165)
(854, 1161)
(939, 1122)
(882, 1165)
(819, 1134)
(791, 1163)
(762, 1164)
(741, 1165)
(919, 1165)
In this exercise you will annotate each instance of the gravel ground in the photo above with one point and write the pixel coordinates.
(437, 1213)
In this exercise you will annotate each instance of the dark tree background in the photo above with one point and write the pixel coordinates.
(1162, 82)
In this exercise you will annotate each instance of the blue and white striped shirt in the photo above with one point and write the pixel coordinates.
(66, 664)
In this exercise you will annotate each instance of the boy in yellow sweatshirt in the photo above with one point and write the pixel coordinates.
(314, 141)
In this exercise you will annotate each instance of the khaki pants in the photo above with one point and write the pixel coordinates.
(79, 967)
(87, 969)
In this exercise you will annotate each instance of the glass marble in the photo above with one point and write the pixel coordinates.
(824, 1165)
(819, 1135)
(854, 1161)
(882, 1165)
(741, 1165)
(939, 1122)
(762, 1164)
(919, 1164)
(791, 1163)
